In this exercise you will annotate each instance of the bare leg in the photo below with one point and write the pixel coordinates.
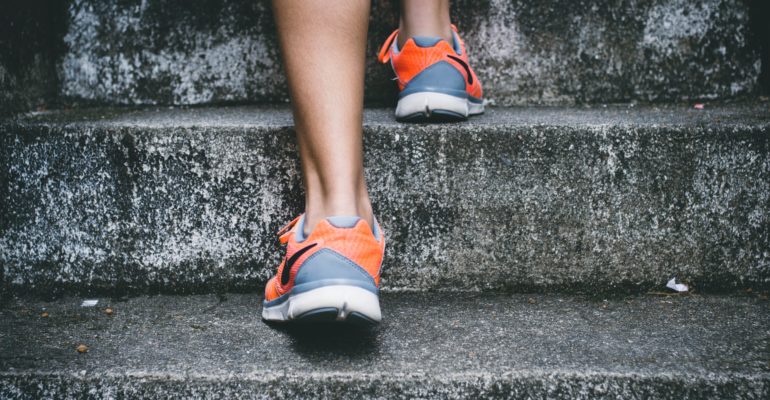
(324, 47)
(424, 18)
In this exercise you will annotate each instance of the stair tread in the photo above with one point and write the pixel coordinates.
(756, 112)
(707, 340)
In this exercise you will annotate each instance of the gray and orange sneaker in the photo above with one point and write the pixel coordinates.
(435, 81)
(332, 274)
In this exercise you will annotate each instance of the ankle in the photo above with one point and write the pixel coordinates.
(424, 18)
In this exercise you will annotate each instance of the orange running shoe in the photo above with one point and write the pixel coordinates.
(434, 78)
(332, 274)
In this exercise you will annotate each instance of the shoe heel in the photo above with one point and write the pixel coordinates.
(328, 287)
(432, 106)
(336, 303)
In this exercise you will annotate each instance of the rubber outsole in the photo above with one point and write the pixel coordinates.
(436, 107)
(330, 315)
(434, 116)
(334, 303)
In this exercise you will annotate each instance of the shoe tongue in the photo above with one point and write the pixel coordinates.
(426, 41)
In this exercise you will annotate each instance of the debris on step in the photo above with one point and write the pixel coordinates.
(679, 287)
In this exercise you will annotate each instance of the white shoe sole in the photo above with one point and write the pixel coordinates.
(433, 105)
(327, 303)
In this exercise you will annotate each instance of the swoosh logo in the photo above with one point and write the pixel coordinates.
(286, 273)
(467, 68)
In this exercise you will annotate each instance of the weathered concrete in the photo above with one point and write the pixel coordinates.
(578, 199)
(553, 51)
(429, 346)
(31, 43)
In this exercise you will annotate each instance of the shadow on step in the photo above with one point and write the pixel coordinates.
(331, 339)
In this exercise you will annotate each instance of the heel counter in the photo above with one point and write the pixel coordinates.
(327, 266)
(441, 77)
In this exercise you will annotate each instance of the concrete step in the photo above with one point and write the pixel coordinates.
(429, 346)
(577, 199)
(525, 52)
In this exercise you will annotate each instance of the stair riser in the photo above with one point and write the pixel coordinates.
(524, 52)
(544, 52)
(488, 207)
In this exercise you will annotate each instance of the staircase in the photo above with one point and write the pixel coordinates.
(528, 248)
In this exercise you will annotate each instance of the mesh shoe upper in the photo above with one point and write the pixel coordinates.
(356, 245)
(415, 57)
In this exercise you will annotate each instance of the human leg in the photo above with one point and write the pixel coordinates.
(424, 18)
(323, 44)
(334, 251)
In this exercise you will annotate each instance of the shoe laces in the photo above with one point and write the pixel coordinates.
(384, 54)
(286, 230)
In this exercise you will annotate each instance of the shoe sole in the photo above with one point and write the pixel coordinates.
(335, 303)
(435, 107)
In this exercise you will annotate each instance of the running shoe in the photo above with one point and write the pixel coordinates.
(435, 81)
(332, 274)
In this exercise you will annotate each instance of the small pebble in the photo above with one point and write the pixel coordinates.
(44, 314)
(82, 348)
(531, 300)
(108, 311)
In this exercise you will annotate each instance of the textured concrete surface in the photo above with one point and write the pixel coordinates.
(525, 52)
(31, 43)
(579, 199)
(429, 345)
